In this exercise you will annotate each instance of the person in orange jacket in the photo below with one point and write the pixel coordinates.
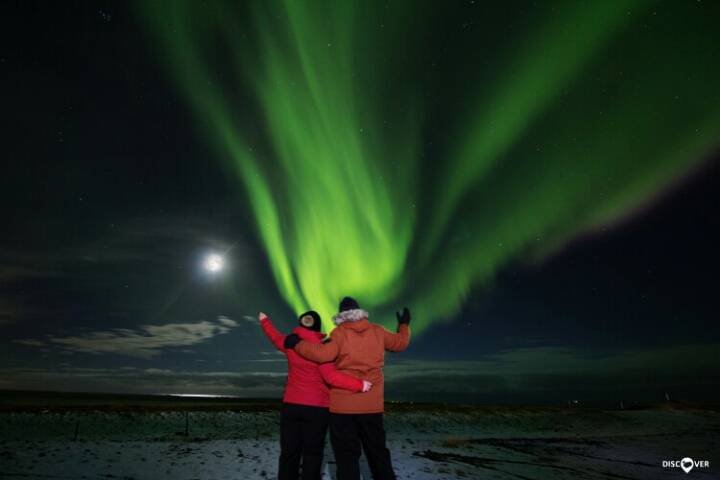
(304, 414)
(358, 348)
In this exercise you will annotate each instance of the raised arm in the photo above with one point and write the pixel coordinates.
(333, 377)
(271, 332)
(397, 342)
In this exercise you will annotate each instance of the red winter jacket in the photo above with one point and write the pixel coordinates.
(307, 382)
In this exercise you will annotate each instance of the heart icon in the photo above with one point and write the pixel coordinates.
(687, 464)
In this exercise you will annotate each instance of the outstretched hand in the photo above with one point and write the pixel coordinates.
(403, 318)
(262, 316)
(291, 340)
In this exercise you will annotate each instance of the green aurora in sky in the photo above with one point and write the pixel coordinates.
(403, 155)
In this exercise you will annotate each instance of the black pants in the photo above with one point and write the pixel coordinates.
(347, 433)
(302, 435)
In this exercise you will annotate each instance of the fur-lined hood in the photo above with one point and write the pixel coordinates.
(353, 315)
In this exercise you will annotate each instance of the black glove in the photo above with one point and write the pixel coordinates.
(291, 340)
(403, 318)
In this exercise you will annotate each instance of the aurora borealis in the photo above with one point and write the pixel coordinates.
(552, 128)
(536, 181)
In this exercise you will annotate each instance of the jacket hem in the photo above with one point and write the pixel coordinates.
(357, 412)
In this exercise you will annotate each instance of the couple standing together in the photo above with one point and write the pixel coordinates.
(335, 381)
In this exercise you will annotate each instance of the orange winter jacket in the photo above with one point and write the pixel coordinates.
(358, 349)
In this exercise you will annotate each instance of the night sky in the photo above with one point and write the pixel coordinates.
(537, 181)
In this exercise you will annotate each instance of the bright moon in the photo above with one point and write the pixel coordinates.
(213, 263)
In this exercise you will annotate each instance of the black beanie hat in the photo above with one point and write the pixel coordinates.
(348, 303)
(316, 317)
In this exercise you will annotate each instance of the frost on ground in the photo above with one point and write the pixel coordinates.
(425, 443)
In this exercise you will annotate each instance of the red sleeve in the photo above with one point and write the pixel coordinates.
(277, 338)
(340, 380)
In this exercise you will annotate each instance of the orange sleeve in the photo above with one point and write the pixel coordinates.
(397, 342)
(320, 352)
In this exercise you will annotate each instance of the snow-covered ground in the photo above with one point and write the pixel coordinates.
(431, 443)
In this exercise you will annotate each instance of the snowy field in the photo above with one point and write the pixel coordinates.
(426, 443)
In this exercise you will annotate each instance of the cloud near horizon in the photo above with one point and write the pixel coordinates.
(146, 341)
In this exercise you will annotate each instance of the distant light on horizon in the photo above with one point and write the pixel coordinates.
(199, 395)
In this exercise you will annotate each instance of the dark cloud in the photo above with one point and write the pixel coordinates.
(11, 310)
(128, 241)
(555, 374)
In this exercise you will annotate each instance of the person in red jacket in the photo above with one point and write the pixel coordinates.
(304, 416)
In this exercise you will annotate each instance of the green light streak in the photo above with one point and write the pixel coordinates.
(593, 110)
(547, 62)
